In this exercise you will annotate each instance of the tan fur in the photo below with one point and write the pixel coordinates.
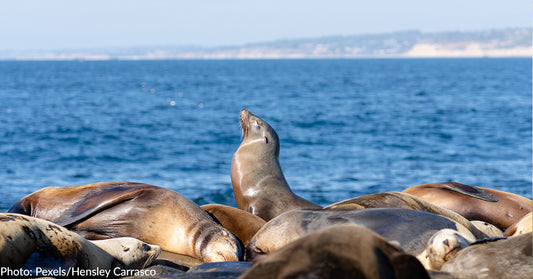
(132, 252)
(443, 245)
(521, 227)
(488, 229)
(242, 224)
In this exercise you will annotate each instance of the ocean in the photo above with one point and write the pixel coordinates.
(347, 127)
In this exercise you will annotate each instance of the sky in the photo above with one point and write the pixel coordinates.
(67, 24)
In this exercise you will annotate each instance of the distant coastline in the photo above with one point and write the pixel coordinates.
(510, 42)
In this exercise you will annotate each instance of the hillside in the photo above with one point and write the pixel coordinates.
(512, 42)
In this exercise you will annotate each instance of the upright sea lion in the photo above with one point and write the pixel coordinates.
(146, 212)
(521, 227)
(340, 251)
(407, 201)
(31, 243)
(502, 259)
(258, 181)
(475, 203)
(242, 224)
(411, 229)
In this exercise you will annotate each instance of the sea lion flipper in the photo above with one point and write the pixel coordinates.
(468, 190)
(96, 202)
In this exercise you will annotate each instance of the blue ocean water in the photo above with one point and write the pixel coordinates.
(347, 127)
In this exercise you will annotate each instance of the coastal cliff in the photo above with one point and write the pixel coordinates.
(511, 42)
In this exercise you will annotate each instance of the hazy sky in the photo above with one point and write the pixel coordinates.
(40, 24)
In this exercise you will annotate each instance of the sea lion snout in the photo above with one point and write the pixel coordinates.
(252, 252)
(443, 245)
(218, 245)
(244, 121)
(244, 114)
(223, 251)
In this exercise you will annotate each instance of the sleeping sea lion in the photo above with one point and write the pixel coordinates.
(475, 203)
(339, 251)
(411, 229)
(30, 243)
(521, 227)
(502, 259)
(242, 224)
(152, 214)
(407, 201)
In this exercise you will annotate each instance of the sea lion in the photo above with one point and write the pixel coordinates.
(411, 229)
(521, 227)
(487, 228)
(258, 182)
(129, 250)
(340, 251)
(503, 258)
(443, 245)
(31, 243)
(407, 201)
(499, 208)
(152, 214)
(242, 224)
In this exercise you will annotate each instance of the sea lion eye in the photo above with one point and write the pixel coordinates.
(266, 140)
(258, 251)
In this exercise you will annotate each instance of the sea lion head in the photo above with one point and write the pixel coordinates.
(258, 131)
(131, 252)
(219, 245)
(443, 246)
(267, 239)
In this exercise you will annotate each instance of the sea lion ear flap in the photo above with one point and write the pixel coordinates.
(266, 140)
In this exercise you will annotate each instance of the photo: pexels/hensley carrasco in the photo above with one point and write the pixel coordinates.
(75, 272)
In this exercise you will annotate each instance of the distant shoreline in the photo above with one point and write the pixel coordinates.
(265, 59)
(261, 59)
(510, 42)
